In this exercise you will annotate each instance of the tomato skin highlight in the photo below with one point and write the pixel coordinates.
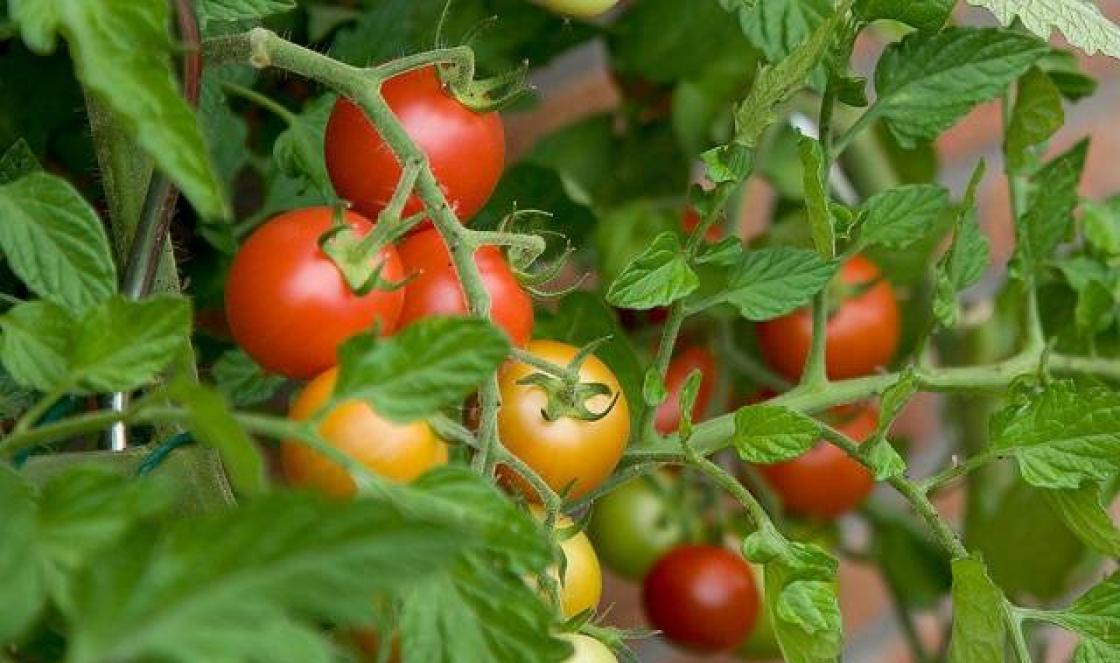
(632, 527)
(825, 482)
(400, 452)
(702, 597)
(567, 450)
(435, 287)
(287, 304)
(863, 333)
(466, 150)
(667, 418)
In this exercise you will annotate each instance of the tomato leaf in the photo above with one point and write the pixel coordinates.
(964, 263)
(118, 346)
(928, 81)
(928, 15)
(54, 242)
(771, 434)
(122, 53)
(212, 423)
(17, 161)
(778, 27)
(1085, 515)
(979, 634)
(1081, 23)
(1062, 436)
(1096, 309)
(482, 596)
(885, 461)
(659, 276)
(216, 587)
(25, 589)
(239, 10)
(1050, 210)
(1095, 615)
(902, 216)
(772, 282)
(430, 365)
(298, 150)
(1038, 114)
(821, 223)
(1101, 223)
(242, 380)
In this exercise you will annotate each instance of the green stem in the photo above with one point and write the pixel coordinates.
(946, 477)
(864, 121)
(814, 375)
(755, 511)
(665, 347)
(41, 407)
(542, 365)
(533, 245)
(264, 101)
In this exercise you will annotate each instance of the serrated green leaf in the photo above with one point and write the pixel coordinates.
(14, 399)
(298, 150)
(429, 365)
(36, 344)
(688, 395)
(242, 380)
(927, 15)
(1037, 115)
(774, 281)
(239, 10)
(122, 53)
(212, 423)
(1094, 651)
(17, 161)
(1095, 615)
(902, 216)
(771, 434)
(884, 460)
(821, 223)
(1082, 510)
(202, 587)
(979, 633)
(1049, 213)
(928, 81)
(659, 276)
(964, 263)
(777, 27)
(54, 242)
(122, 344)
(1080, 22)
(226, 132)
(1062, 436)
(775, 84)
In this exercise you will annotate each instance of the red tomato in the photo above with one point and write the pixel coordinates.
(690, 219)
(668, 415)
(862, 334)
(287, 304)
(466, 150)
(702, 597)
(435, 288)
(825, 482)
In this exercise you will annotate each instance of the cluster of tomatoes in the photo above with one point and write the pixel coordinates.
(707, 597)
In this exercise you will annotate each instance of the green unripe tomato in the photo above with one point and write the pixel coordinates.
(762, 645)
(632, 528)
(579, 8)
(588, 650)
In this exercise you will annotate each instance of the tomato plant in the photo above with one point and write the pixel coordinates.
(576, 448)
(435, 289)
(288, 306)
(271, 380)
(701, 597)
(466, 149)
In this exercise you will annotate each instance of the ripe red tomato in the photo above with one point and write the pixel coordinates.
(825, 482)
(690, 219)
(287, 304)
(401, 452)
(465, 149)
(435, 288)
(702, 597)
(862, 335)
(567, 450)
(668, 416)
